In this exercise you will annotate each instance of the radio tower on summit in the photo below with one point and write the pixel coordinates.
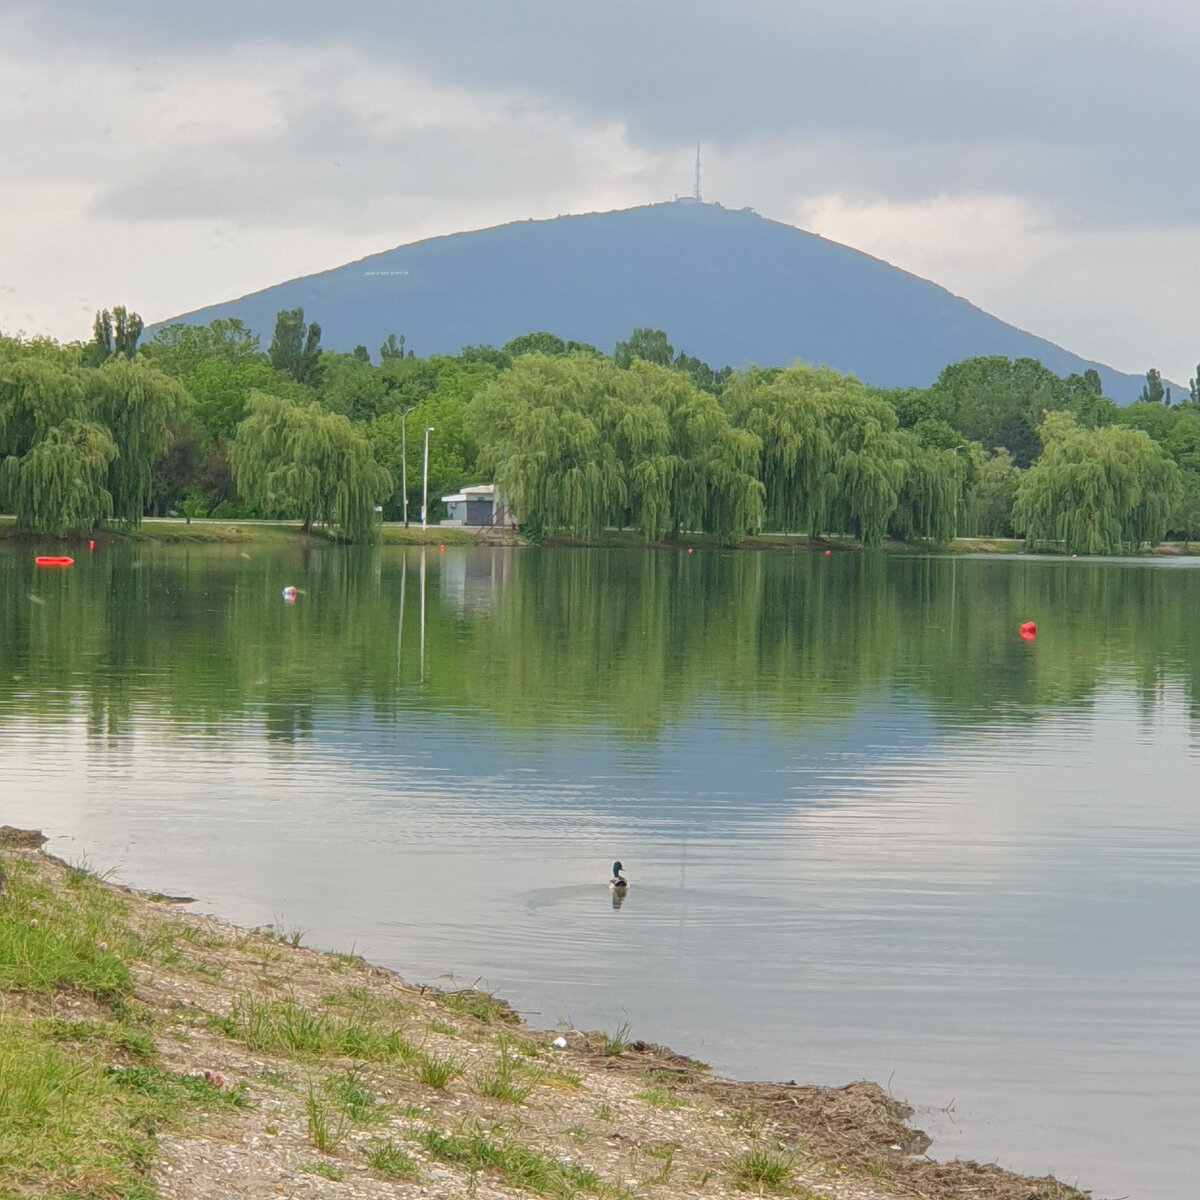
(696, 193)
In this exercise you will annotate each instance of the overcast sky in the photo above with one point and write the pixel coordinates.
(1036, 158)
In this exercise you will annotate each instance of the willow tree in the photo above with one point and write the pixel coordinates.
(299, 460)
(579, 444)
(53, 460)
(927, 504)
(832, 460)
(137, 404)
(1103, 491)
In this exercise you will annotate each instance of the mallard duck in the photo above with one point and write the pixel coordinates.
(618, 882)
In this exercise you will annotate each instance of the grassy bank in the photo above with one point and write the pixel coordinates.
(148, 1051)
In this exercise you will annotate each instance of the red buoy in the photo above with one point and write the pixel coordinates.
(828, 553)
(1028, 630)
(440, 549)
(689, 549)
(91, 545)
(53, 560)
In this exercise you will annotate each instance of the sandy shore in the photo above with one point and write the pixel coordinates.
(307, 1073)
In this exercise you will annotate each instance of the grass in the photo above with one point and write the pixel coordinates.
(617, 1042)
(78, 941)
(661, 1098)
(349, 1093)
(324, 1169)
(483, 1006)
(289, 1028)
(511, 1079)
(761, 1171)
(390, 1161)
(517, 1164)
(327, 1125)
(436, 1070)
(665, 1155)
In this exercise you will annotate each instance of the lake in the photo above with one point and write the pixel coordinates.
(869, 831)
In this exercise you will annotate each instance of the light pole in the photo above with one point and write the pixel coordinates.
(404, 461)
(425, 485)
(960, 446)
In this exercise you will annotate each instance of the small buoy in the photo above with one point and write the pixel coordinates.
(828, 553)
(91, 545)
(53, 560)
(1028, 630)
(441, 548)
(689, 549)
(289, 595)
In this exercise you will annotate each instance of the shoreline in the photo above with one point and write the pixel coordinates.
(202, 531)
(257, 1066)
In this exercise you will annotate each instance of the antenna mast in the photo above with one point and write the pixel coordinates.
(696, 193)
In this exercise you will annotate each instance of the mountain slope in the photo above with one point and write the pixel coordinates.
(727, 286)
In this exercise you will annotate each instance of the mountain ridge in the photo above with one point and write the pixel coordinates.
(727, 285)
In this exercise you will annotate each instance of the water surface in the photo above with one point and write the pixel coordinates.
(869, 831)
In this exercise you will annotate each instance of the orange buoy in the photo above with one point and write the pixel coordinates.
(53, 560)
(1028, 630)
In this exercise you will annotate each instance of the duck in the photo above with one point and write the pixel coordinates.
(618, 882)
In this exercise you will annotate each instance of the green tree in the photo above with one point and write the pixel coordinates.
(579, 444)
(833, 460)
(296, 350)
(1103, 491)
(392, 347)
(299, 460)
(1153, 391)
(179, 349)
(136, 403)
(650, 345)
(535, 343)
(54, 461)
(995, 494)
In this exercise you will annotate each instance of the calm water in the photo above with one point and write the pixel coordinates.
(869, 831)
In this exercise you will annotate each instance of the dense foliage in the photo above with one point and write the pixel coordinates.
(201, 421)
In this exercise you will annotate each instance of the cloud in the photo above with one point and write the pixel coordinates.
(1031, 157)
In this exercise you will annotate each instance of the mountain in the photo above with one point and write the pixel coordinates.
(727, 286)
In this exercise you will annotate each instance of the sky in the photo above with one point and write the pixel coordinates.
(1033, 157)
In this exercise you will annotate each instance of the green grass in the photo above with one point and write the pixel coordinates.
(661, 1098)
(437, 1070)
(349, 1093)
(665, 1155)
(324, 1169)
(483, 1006)
(76, 941)
(510, 1079)
(617, 1042)
(390, 1161)
(518, 1165)
(289, 1028)
(761, 1171)
(327, 1125)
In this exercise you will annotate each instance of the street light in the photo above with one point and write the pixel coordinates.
(425, 485)
(960, 446)
(404, 462)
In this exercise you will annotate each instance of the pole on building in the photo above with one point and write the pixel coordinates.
(425, 484)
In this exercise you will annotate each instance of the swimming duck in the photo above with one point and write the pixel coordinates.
(618, 882)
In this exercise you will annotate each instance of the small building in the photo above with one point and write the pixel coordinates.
(476, 507)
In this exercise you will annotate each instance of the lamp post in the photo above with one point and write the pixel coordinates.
(960, 446)
(425, 485)
(404, 461)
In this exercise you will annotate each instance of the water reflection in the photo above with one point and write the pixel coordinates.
(874, 831)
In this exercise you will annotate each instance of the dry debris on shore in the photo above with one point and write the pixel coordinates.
(303, 1073)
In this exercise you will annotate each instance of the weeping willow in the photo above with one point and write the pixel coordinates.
(57, 487)
(299, 460)
(579, 445)
(54, 462)
(927, 502)
(1107, 491)
(831, 459)
(136, 403)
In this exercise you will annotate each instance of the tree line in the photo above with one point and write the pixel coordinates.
(198, 420)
